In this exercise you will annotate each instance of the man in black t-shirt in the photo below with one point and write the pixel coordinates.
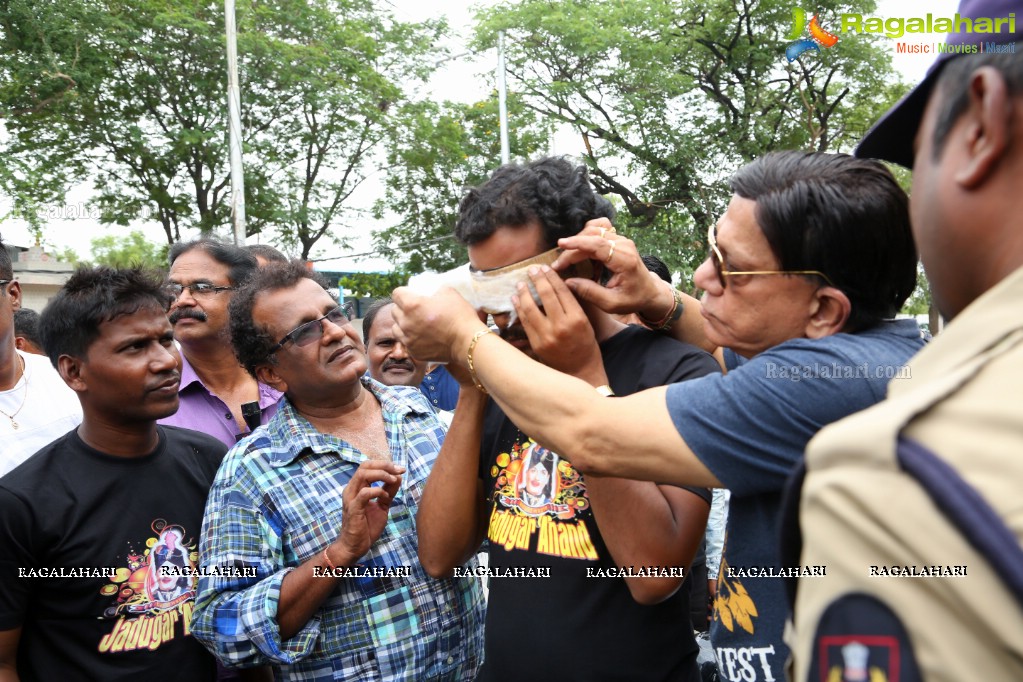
(99, 528)
(492, 481)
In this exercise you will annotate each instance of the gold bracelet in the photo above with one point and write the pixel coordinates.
(468, 356)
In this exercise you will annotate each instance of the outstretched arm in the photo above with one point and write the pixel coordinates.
(631, 437)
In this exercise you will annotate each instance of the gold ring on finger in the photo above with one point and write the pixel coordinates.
(611, 253)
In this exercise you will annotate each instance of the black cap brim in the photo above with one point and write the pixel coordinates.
(891, 138)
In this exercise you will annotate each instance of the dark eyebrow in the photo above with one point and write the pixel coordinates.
(133, 341)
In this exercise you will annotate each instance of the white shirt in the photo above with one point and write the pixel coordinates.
(48, 410)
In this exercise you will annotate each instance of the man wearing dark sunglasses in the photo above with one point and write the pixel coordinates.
(320, 506)
(218, 397)
(804, 271)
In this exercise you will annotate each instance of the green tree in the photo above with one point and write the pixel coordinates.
(119, 252)
(134, 91)
(372, 284)
(131, 95)
(344, 66)
(669, 97)
(129, 251)
(438, 150)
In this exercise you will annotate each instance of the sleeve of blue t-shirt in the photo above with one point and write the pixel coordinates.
(749, 427)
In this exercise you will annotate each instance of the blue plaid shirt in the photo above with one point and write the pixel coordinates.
(276, 502)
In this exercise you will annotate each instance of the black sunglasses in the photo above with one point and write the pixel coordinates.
(312, 331)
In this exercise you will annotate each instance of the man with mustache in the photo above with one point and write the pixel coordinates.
(391, 364)
(95, 501)
(218, 396)
(320, 505)
(389, 361)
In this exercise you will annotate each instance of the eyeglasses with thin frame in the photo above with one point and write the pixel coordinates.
(199, 289)
(717, 260)
(5, 282)
(312, 331)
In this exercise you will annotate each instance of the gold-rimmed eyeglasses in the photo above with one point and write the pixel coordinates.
(718, 261)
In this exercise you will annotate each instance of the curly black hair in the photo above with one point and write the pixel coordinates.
(550, 190)
(252, 342)
(70, 321)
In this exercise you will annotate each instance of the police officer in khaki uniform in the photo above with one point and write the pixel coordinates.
(914, 505)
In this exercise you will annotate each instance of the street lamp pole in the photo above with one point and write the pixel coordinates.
(502, 99)
(234, 127)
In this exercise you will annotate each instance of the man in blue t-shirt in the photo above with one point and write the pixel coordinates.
(805, 270)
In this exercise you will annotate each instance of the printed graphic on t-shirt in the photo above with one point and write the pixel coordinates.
(733, 606)
(155, 592)
(538, 499)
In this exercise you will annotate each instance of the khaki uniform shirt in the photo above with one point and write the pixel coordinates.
(871, 523)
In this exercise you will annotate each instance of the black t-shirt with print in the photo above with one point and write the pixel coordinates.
(570, 626)
(97, 552)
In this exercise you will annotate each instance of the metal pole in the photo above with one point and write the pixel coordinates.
(234, 117)
(502, 99)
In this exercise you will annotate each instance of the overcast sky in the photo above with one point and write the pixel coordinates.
(453, 82)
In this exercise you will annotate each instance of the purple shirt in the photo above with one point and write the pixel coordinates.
(200, 410)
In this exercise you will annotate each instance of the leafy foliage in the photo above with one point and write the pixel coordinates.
(325, 78)
(670, 97)
(131, 95)
(372, 284)
(123, 252)
(443, 149)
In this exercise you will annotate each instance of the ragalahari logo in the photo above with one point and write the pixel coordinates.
(818, 36)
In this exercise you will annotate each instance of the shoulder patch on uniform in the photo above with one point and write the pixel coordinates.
(860, 639)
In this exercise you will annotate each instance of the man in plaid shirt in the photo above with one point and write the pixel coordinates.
(308, 549)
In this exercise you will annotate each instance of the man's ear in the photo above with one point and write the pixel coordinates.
(70, 370)
(14, 291)
(829, 311)
(267, 374)
(19, 343)
(988, 123)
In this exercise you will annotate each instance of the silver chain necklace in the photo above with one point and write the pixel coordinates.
(14, 414)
